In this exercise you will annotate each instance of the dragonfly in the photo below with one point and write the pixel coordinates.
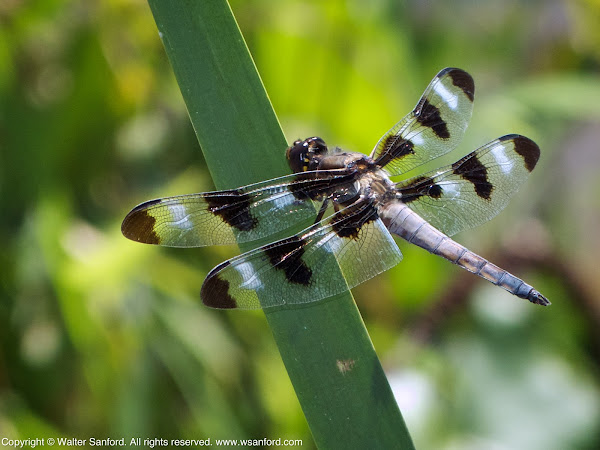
(352, 208)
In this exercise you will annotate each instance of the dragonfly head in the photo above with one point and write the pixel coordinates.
(305, 155)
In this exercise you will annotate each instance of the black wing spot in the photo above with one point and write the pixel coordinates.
(316, 185)
(420, 187)
(138, 225)
(464, 81)
(398, 147)
(350, 221)
(394, 147)
(429, 115)
(215, 290)
(471, 169)
(233, 206)
(306, 186)
(527, 149)
(435, 190)
(287, 255)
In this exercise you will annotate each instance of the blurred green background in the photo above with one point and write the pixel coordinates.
(101, 337)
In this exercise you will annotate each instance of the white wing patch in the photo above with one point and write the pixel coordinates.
(416, 139)
(448, 97)
(249, 276)
(181, 218)
(451, 190)
(505, 163)
(283, 199)
(333, 244)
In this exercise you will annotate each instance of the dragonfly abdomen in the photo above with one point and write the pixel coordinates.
(404, 222)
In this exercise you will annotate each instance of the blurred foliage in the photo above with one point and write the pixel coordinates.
(106, 338)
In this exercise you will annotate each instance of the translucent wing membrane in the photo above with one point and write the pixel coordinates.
(306, 267)
(433, 128)
(238, 215)
(475, 188)
(352, 245)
